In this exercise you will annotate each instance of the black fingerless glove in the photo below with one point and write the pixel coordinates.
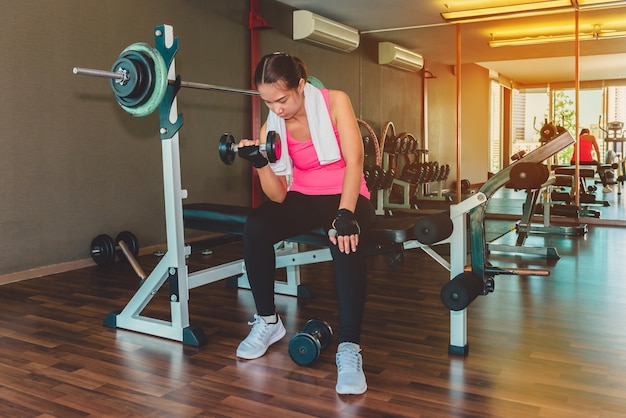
(253, 154)
(345, 223)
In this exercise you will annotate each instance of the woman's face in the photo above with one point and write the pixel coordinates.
(281, 100)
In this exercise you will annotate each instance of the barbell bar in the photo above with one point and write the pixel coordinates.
(512, 271)
(186, 84)
(139, 80)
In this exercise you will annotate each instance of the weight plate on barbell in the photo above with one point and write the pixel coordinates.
(127, 86)
(157, 71)
(140, 85)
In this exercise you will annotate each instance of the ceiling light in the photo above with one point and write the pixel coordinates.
(583, 3)
(546, 39)
(515, 9)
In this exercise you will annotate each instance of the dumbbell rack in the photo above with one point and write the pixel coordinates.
(420, 190)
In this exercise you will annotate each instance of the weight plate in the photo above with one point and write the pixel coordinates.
(548, 131)
(157, 71)
(404, 146)
(131, 242)
(273, 146)
(140, 79)
(103, 249)
(126, 87)
(388, 136)
(304, 349)
(225, 149)
(321, 330)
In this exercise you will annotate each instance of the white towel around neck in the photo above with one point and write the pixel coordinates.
(320, 126)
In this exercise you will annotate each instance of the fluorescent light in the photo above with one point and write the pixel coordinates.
(583, 3)
(535, 40)
(521, 8)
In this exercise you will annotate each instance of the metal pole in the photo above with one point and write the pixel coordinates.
(186, 84)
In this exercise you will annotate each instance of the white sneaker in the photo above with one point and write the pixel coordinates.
(606, 189)
(261, 336)
(350, 376)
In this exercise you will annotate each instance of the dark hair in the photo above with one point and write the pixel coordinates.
(584, 131)
(280, 66)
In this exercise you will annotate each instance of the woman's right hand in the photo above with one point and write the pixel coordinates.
(250, 150)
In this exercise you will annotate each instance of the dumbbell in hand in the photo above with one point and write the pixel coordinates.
(305, 347)
(271, 149)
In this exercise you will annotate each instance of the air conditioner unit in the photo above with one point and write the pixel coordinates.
(322, 31)
(396, 56)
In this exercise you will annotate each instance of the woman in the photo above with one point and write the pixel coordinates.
(317, 182)
(588, 144)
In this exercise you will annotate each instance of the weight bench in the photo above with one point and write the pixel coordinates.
(586, 172)
(385, 236)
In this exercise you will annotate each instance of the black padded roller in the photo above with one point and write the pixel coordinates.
(433, 228)
(528, 175)
(459, 292)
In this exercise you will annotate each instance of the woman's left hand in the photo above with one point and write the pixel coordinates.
(345, 231)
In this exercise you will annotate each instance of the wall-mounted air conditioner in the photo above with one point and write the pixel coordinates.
(396, 56)
(320, 30)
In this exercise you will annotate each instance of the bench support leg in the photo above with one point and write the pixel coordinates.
(290, 258)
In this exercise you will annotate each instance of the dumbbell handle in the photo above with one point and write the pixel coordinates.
(262, 148)
(270, 149)
(117, 247)
(132, 260)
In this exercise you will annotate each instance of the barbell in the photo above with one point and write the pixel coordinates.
(271, 149)
(104, 249)
(139, 80)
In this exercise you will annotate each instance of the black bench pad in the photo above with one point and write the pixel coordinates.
(570, 171)
(228, 219)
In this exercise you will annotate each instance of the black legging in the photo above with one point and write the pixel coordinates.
(272, 222)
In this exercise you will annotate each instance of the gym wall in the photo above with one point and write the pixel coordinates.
(74, 164)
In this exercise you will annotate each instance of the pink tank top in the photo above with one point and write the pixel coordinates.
(312, 178)
(586, 147)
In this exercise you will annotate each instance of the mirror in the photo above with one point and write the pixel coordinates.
(602, 70)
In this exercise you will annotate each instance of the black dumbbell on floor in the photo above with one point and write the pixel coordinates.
(271, 149)
(305, 347)
(104, 248)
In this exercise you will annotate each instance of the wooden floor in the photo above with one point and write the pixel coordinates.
(539, 347)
